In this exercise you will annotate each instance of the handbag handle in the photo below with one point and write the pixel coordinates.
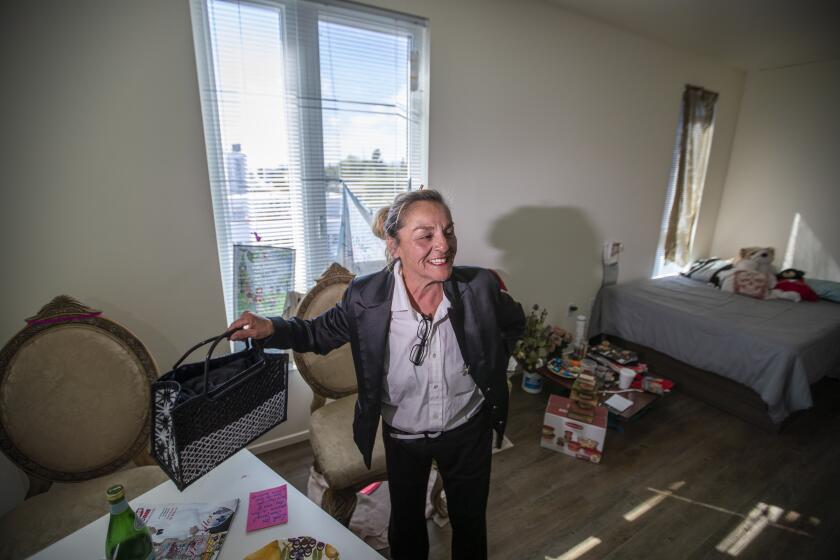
(215, 340)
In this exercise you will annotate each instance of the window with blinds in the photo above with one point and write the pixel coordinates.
(686, 182)
(661, 266)
(315, 116)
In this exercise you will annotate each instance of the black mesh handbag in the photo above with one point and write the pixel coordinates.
(202, 413)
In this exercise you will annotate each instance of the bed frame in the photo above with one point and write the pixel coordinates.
(720, 392)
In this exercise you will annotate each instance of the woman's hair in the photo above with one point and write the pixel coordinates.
(389, 219)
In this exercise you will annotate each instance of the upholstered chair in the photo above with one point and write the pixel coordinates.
(333, 377)
(74, 416)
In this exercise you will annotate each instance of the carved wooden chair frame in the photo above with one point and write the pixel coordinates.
(335, 274)
(59, 312)
(338, 502)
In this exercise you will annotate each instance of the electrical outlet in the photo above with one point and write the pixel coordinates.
(571, 309)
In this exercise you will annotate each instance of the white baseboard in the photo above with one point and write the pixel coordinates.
(279, 442)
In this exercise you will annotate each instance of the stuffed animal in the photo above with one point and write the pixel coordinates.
(793, 280)
(754, 275)
(759, 259)
(791, 274)
(753, 266)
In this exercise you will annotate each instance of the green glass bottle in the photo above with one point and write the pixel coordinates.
(128, 537)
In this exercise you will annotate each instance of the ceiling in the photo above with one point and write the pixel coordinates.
(747, 34)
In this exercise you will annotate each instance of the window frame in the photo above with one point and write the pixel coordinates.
(308, 178)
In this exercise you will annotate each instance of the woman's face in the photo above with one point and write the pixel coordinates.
(427, 243)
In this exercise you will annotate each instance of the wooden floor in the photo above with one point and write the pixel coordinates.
(698, 470)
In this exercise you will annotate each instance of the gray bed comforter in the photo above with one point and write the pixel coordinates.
(777, 348)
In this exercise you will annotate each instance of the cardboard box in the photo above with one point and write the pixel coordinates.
(578, 439)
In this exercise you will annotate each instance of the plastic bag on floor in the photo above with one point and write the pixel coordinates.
(370, 518)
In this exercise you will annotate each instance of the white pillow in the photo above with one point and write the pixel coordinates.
(706, 270)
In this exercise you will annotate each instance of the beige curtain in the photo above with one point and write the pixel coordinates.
(698, 109)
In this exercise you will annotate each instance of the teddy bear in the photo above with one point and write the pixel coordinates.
(754, 275)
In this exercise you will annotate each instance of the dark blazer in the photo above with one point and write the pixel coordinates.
(486, 320)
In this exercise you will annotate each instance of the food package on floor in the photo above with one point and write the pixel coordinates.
(615, 353)
(584, 440)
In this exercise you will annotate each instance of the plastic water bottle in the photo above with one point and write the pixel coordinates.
(128, 537)
(580, 329)
(581, 346)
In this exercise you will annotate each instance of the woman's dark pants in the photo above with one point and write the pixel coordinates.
(463, 461)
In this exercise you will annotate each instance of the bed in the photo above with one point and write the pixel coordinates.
(754, 358)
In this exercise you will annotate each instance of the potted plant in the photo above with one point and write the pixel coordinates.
(537, 345)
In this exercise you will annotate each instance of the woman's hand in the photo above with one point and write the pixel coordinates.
(253, 326)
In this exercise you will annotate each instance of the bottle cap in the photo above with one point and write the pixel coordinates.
(115, 493)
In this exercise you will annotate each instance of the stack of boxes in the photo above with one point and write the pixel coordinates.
(584, 398)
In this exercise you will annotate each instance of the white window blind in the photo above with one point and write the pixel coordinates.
(315, 116)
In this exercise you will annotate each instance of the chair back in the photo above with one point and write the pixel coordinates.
(74, 394)
(333, 375)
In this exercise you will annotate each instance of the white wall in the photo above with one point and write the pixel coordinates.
(105, 181)
(785, 163)
(549, 132)
(105, 170)
(552, 133)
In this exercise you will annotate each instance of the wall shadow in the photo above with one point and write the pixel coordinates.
(806, 251)
(551, 256)
(163, 351)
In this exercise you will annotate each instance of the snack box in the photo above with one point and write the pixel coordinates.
(577, 439)
(614, 353)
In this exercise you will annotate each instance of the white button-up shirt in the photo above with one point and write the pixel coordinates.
(437, 395)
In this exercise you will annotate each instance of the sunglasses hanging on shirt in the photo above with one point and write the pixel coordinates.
(418, 351)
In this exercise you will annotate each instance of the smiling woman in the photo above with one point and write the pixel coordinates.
(419, 233)
(431, 343)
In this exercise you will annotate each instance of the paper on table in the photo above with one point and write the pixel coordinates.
(267, 507)
(619, 403)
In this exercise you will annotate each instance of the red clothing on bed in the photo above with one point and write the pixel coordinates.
(800, 287)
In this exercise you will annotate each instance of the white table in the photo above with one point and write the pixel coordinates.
(235, 478)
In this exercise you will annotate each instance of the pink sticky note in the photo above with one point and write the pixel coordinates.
(267, 507)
